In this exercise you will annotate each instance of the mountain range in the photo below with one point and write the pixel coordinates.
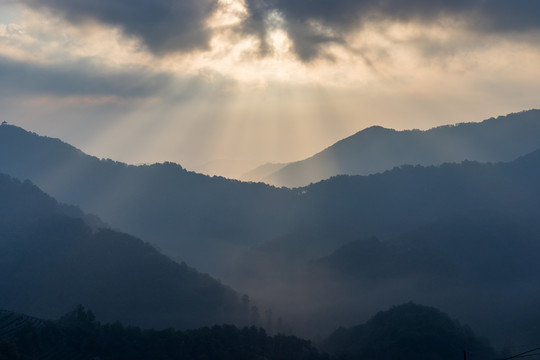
(322, 255)
(479, 266)
(189, 216)
(193, 217)
(456, 236)
(377, 149)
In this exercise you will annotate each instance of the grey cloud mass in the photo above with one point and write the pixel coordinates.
(163, 25)
(180, 25)
(313, 23)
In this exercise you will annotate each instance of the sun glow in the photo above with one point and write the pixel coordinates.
(233, 101)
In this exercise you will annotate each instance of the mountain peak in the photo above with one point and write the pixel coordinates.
(375, 129)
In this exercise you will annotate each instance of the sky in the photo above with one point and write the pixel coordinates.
(221, 86)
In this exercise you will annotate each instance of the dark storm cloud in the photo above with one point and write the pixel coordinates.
(180, 25)
(313, 23)
(163, 25)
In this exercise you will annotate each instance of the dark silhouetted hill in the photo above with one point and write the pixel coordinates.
(50, 262)
(406, 332)
(377, 149)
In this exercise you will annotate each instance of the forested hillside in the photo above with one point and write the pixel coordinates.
(50, 262)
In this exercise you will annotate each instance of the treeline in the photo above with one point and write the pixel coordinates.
(404, 332)
(51, 261)
(78, 335)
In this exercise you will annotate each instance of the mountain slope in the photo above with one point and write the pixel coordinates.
(209, 222)
(191, 217)
(344, 209)
(261, 172)
(378, 149)
(211, 218)
(466, 250)
(50, 262)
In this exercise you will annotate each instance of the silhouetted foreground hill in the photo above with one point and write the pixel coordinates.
(407, 332)
(77, 336)
(377, 149)
(50, 262)
(191, 217)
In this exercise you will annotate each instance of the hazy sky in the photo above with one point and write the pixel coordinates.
(251, 81)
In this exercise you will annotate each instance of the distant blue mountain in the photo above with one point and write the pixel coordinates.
(210, 221)
(377, 149)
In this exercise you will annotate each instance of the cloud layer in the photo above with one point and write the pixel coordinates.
(167, 26)
(163, 25)
(314, 23)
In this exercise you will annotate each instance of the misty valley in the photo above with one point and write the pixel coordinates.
(387, 245)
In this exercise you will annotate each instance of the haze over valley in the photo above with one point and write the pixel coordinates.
(269, 179)
(304, 260)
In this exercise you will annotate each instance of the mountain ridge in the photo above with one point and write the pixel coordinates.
(377, 149)
(161, 202)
